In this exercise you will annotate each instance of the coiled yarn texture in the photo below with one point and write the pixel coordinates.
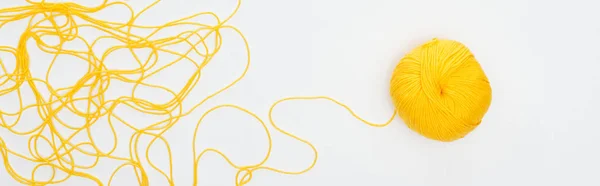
(440, 90)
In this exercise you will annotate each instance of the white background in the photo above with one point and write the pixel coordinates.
(541, 57)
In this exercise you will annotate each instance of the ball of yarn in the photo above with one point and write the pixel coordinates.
(440, 90)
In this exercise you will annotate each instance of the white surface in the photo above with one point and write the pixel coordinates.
(542, 59)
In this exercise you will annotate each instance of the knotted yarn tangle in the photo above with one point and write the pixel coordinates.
(440, 90)
(65, 21)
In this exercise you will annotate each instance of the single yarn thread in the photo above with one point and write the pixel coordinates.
(440, 90)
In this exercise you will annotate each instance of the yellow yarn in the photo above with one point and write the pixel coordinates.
(440, 90)
(63, 21)
(462, 97)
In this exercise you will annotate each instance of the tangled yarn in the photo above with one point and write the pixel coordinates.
(51, 142)
(440, 90)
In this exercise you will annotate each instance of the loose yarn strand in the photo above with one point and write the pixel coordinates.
(91, 88)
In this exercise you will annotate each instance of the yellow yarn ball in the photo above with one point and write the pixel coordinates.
(440, 90)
